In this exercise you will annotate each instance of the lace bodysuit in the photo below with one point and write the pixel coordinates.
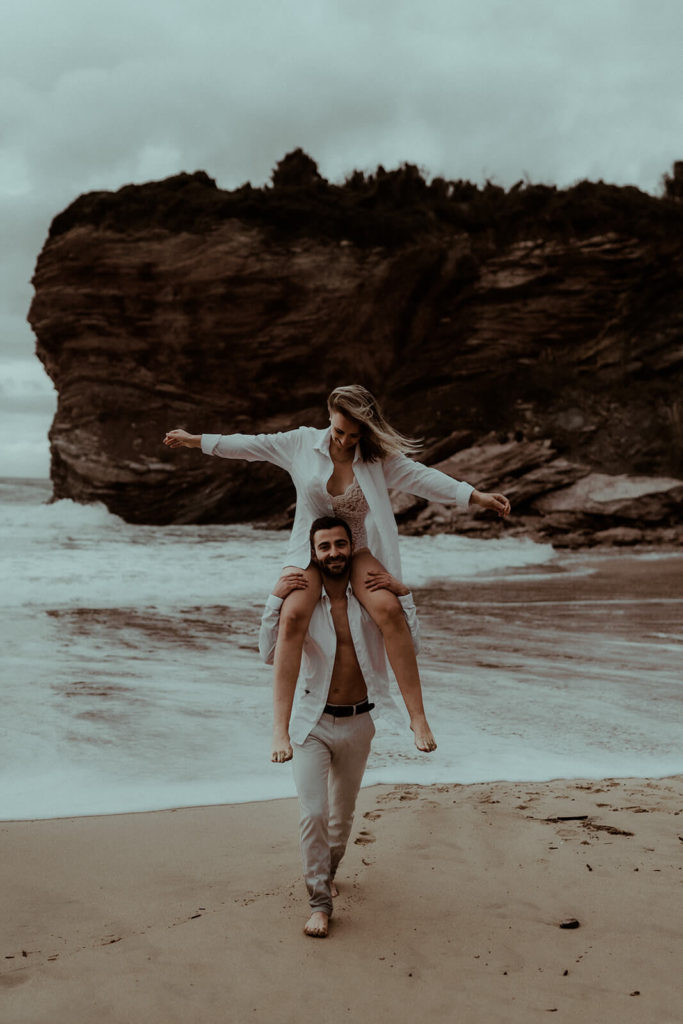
(353, 507)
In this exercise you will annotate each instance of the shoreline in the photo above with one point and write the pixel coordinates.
(255, 803)
(452, 899)
(591, 641)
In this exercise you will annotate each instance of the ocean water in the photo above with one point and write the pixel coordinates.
(131, 679)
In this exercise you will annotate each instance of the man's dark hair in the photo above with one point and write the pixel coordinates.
(328, 523)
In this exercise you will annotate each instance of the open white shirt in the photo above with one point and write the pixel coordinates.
(305, 454)
(317, 663)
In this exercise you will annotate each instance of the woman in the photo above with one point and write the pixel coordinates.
(346, 470)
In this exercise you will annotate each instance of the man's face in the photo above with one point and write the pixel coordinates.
(332, 551)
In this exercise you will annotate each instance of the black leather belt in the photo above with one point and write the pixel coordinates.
(346, 710)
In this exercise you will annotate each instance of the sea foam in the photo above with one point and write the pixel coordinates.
(65, 553)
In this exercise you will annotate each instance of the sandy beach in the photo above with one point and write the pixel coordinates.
(451, 905)
(452, 894)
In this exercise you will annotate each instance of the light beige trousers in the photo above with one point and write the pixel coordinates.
(328, 770)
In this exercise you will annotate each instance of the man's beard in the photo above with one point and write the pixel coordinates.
(334, 566)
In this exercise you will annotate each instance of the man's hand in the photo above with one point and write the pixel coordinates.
(281, 747)
(496, 502)
(181, 439)
(295, 579)
(377, 579)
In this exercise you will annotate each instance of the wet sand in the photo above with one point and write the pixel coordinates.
(579, 661)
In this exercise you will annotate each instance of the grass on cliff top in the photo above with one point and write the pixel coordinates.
(387, 208)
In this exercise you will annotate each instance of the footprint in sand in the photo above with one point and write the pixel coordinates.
(14, 979)
(372, 815)
(400, 794)
(364, 838)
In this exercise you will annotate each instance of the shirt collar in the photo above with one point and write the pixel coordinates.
(323, 444)
(325, 597)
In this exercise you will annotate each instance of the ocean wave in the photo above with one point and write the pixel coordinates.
(67, 554)
(446, 557)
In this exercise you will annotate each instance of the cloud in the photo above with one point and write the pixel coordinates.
(28, 455)
(25, 386)
(94, 96)
(27, 406)
(553, 90)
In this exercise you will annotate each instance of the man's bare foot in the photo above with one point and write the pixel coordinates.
(281, 749)
(424, 740)
(317, 925)
(334, 891)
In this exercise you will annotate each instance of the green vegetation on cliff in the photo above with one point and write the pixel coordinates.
(387, 208)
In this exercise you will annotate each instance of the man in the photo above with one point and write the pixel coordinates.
(343, 675)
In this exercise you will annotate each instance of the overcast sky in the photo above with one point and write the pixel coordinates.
(94, 95)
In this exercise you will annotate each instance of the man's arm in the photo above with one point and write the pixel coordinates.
(270, 620)
(383, 580)
(282, 699)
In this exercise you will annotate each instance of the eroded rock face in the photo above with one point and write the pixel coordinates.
(529, 360)
(554, 499)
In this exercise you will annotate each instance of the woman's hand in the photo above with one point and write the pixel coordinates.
(377, 579)
(496, 502)
(181, 439)
(289, 581)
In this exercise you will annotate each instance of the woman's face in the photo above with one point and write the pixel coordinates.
(345, 432)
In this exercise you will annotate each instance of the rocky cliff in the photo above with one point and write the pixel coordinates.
(533, 338)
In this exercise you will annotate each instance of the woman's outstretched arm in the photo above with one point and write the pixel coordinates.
(404, 474)
(279, 448)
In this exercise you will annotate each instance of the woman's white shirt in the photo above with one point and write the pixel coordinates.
(305, 454)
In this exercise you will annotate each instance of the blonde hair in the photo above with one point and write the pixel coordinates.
(378, 439)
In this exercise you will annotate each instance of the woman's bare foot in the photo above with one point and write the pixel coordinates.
(317, 925)
(281, 749)
(334, 891)
(424, 740)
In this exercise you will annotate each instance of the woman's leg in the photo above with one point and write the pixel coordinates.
(295, 616)
(385, 609)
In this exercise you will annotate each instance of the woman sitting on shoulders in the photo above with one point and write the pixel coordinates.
(346, 470)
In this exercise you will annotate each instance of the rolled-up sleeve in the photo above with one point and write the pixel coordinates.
(270, 621)
(410, 612)
(403, 474)
(277, 448)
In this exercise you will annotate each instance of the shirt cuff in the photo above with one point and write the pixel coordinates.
(463, 493)
(209, 442)
(407, 601)
(273, 602)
